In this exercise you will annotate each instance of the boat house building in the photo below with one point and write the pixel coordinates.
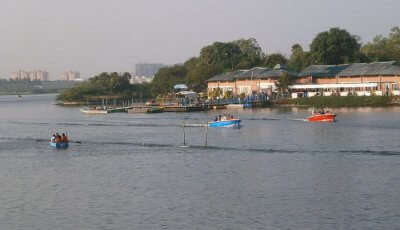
(358, 79)
(250, 81)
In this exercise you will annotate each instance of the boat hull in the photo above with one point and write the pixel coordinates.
(93, 111)
(227, 123)
(61, 145)
(322, 118)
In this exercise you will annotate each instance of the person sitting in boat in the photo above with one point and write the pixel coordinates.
(232, 117)
(58, 138)
(64, 138)
(216, 118)
(53, 138)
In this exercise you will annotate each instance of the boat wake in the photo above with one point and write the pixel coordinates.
(201, 147)
(297, 119)
(125, 124)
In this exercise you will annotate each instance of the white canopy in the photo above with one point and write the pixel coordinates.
(333, 86)
(187, 93)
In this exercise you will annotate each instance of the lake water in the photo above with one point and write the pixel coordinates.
(130, 172)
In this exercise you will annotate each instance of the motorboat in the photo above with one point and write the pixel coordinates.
(224, 122)
(322, 117)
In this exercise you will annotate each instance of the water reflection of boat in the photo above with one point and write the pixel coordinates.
(59, 145)
(322, 117)
(224, 123)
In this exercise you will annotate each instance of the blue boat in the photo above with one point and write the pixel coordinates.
(224, 123)
(60, 145)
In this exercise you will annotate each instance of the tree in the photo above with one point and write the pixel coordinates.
(166, 78)
(274, 59)
(299, 59)
(106, 85)
(336, 46)
(251, 53)
(384, 48)
(284, 81)
(227, 55)
(198, 74)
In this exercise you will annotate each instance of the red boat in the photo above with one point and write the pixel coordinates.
(322, 117)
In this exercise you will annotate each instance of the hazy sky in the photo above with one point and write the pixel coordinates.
(93, 36)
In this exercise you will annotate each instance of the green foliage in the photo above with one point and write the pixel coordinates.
(198, 73)
(274, 59)
(251, 53)
(228, 94)
(384, 48)
(335, 46)
(284, 81)
(33, 87)
(167, 77)
(299, 59)
(214, 59)
(215, 93)
(106, 84)
(337, 101)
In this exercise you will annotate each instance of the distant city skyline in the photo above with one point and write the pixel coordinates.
(96, 36)
(35, 75)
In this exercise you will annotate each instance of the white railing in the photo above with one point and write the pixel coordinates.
(328, 94)
(344, 94)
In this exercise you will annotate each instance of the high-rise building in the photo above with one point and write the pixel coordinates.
(36, 75)
(71, 76)
(147, 69)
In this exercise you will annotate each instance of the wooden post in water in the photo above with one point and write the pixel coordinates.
(205, 141)
(184, 134)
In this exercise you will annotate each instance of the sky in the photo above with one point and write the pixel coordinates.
(93, 36)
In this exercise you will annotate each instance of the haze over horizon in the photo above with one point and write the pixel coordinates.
(103, 36)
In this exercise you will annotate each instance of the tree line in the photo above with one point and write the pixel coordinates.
(113, 85)
(335, 46)
(332, 47)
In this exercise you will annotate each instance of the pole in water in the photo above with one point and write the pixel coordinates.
(184, 134)
(206, 134)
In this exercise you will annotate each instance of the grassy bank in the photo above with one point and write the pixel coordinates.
(337, 101)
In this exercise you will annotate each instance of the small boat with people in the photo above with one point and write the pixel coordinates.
(322, 116)
(61, 145)
(224, 121)
(59, 141)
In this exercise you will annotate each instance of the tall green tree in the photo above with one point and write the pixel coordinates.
(251, 53)
(284, 81)
(336, 46)
(384, 48)
(274, 59)
(227, 55)
(299, 59)
(167, 77)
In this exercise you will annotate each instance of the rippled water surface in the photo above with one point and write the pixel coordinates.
(131, 172)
